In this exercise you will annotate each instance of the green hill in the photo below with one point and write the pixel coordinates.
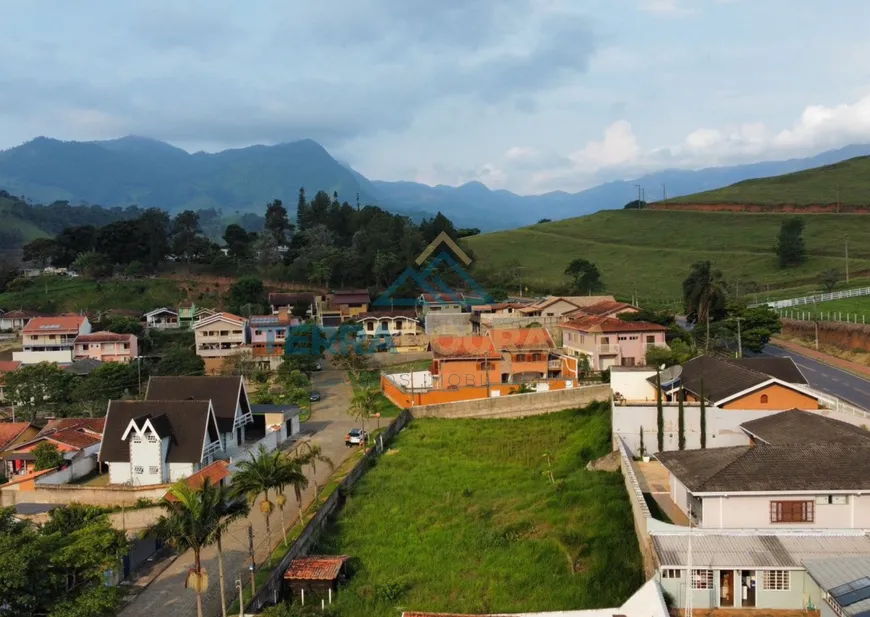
(847, 183)
(652, 250)
(11, 221)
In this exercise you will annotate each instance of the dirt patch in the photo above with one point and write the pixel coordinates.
(608, 462)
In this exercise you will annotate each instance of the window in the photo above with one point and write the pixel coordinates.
(764, 399)
(51, 337)
(138, 470)
(225, 332)
(370, 325)
(258, 332)
(153, 470)
(702, 579)
(521, 357)
(650, 338)
(137, 439)
(84, 347)
(152, 438)
(398, 324)
(777, 580)
(237, 331)
(126, 345)
(792, 511)
(671, 573)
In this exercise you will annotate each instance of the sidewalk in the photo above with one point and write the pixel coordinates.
(846, 365)
(166, 595)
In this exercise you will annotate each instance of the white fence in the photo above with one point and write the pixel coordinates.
(826, 297)
(832, 402)
(804, 315)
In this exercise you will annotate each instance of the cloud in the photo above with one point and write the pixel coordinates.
(619, 146)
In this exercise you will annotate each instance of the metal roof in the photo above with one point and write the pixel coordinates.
(830, 574)
(782, 551)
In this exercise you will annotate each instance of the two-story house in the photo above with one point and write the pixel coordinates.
(605, 308)
(397, 330)
(463, 361)
(802, 470)
(608, 341)
(441, 303)
(16, 320)
(525, 354)
(341, 306)
(220, 335)
(158, 442)
(268, 335)
(231, 406)
(107, 347)
(293, 301)
(558, 306)
(51, 339)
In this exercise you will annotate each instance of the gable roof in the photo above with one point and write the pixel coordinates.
(395, 314)
(593, 323)
(521, 339)
(471, 346)
(184, 422)
(784, 369)
(351, 296)
(162, 309)
(22, 315)
(227, 317)
(10, 431)
(91, 425)
(289, 299)
(443, 298)
(800, 427)
(545, 302)
(811, 467)
(225, 393)
(53, 325)
(606, 307)
(214, 473)
(316, 568)
(7, 366)
(83, 366)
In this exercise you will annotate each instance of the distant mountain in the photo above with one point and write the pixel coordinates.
(146, 172)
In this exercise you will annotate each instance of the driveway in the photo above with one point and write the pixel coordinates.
(166, 596)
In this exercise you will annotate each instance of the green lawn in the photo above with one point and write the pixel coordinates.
(859, 305)
(460, 517)
(847, 182)
(651, 251)
(55, 294)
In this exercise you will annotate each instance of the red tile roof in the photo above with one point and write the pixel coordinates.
(606, 307)
(104, 337)
(517, 339)
(214, 473)
(74, 438)
(315, 568)
(93, 425)
(354, 296)
(611, 324)
(443, 297)
(22, 315)
(7, 366)
(10, 431)
(471, 346)
(54, 325)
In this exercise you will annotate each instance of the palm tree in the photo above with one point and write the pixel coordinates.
(704, 294)
(227, 510)
(291, 475)
(312, 454)
(189, 522)
(363, 405)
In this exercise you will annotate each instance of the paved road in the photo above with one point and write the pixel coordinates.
(840, 383)
(166, 595)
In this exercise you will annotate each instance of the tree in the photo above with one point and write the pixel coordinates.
(585, 276)
(238, 241)
(277, 223)
(188, 523)
(247, 291)
(39, 386)
(121, 324)
(47, 456)
(185, 230)
(39, 251)
(790, 247)
(637, 204)
(225, 511)
(757, 325)
(704, 295)
(544, 221)
(364, 405)
(179, 361)
(311, 454)
(829, 279)
(112, 380)
(92, 265)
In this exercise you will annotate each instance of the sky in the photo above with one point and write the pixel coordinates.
(526, 95)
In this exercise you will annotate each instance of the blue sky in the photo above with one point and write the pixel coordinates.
(528, 95)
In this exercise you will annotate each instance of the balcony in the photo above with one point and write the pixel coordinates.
(608, 350)
(554, 365)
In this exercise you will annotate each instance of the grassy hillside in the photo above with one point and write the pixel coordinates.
(813, 186)
(652, 251)
(10, 221)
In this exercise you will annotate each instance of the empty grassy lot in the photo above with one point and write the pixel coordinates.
(461, 516)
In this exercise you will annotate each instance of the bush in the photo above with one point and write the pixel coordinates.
(19, 284)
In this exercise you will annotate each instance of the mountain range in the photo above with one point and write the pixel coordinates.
(146, 172)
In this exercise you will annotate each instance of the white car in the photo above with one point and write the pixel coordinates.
(355, 437)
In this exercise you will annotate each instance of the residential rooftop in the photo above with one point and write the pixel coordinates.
(799, 427)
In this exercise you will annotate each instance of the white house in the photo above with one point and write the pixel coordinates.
(231, 405)
(51, 339)
(161, 319)
(158, 442)
(220, 335)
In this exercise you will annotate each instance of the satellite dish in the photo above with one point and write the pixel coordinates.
(670, 377)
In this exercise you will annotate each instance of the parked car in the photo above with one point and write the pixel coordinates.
(355, 437)
(318, 367)
(315, 395)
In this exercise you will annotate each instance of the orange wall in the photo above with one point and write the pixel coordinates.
(464, 373)
(530, 367)
(778, 397)
(432, 397)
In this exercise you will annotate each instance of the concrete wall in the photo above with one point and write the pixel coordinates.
(632, 384)
(93, 495)
(135, 520)
(78, 469)
(456, 324)
(639, 511)
(35, 357)
(516, 405)
(723, 425)
(753, 512)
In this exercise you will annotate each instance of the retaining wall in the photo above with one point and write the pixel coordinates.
(846, 336)
(93, 495)
(639, 510)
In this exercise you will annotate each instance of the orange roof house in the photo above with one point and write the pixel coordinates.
(73, 437)
(215, 474)
(608, 341)
(462, 361)
(605, 308)
(14, 433)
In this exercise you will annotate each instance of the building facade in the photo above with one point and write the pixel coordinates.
(107, 347)
(607, 341)
(220, 335)
(51, 339)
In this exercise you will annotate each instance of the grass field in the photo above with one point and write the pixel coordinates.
(652, 250)
(848, 182)
(460, 517)
(55, 294)
(859, 305)
(28, 230)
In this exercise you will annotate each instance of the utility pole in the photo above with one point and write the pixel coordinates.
(739, 340)
(253, 564)
(241, 597)
(664, 192)
(643, 196)
(838, 197)
(846, 239)
(638, 194)
(816, 323)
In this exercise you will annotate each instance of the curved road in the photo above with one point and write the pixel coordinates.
(842, 384)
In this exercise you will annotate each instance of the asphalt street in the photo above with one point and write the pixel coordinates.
(840, 383)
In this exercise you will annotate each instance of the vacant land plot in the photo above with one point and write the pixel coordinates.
(853, 306)
(462, 516)
(651, 251)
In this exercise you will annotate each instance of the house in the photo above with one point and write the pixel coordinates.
(395, 330)
(341, 306)
(162, 319)
(16, 320)
(315, 576)
(734, 384)
(12, 434)
(277, 418)
(801, 470)
(843, 583)
(231, 406)
(750, 570)
(460, 361)
(6, 366)
(441, 303)
(186, 315)
(157, 442)
(557, 306)
(51, 339)
(202, 313)
(216, 474)
(77, 439)
(608, 341)
(290, 301)
(525, 354)
(107, 347)
(605, 308)
(220, 335)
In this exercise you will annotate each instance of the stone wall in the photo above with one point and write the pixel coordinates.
(516, 405)
(846, 336)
